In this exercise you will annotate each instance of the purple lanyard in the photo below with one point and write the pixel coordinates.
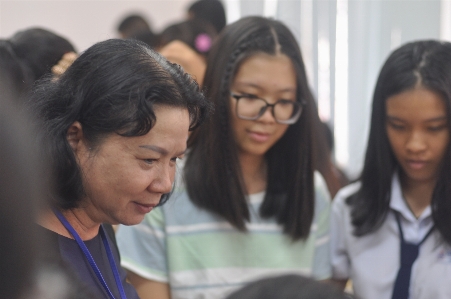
(90, 259)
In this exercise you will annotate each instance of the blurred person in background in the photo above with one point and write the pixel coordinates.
(334, 176)
(133, 25)
(149, 38)
(25, 188)
(197, 34)
(211, 11)
(39, 50)
(22, 189)
(15, 80)
(188, 43)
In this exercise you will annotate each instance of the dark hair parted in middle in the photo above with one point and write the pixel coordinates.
(422, 63)
(112, 88)
(213, 174)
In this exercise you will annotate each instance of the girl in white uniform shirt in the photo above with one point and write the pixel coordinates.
(400, 210)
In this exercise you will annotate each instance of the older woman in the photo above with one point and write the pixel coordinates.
(115, 124)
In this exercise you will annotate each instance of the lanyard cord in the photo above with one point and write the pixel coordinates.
(112, 263)
(90, 259)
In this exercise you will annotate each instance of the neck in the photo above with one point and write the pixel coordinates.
(83, 224)
(418, 195)
(254, 172)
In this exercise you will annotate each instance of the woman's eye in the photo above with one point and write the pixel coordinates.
(398, 127)
(249, 95)
(436, 128)
(149, 161)
(285, 102)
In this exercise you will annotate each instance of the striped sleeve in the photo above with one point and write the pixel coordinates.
(321, 268)
(143, 247)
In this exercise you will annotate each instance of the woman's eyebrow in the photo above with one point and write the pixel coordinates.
(247, 84)
(155, 148)
(439, 118)
(434, 119)
(256, 86)
(160, 150)
(389, 117)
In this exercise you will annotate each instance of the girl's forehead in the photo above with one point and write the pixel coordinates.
(263, 70)
(418, 103)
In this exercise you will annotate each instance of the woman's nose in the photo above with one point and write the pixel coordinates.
(162, 182)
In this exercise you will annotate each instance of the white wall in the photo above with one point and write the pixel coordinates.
(85, 22)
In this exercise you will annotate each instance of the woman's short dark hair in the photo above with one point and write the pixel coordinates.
(213, 174)
(40, 49)
(421, 63)
(113, 87)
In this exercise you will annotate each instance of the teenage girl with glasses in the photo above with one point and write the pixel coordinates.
(391, 232)
(251, 204)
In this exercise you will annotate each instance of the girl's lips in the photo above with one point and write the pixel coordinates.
(258, 136)
(144, 208)
(416, 164)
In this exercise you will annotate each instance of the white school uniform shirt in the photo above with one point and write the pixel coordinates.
(372, 261)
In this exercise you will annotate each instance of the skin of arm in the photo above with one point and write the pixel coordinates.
(149, 289)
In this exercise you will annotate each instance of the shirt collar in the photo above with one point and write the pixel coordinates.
(398, 203)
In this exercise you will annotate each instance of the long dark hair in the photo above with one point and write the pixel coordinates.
(113, 87)
(423, 62)
(213, 174)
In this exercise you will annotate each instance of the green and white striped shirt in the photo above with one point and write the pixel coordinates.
(201, 255)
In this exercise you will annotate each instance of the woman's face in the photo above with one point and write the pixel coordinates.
(126, 176)
(418, 131)
(269, 77)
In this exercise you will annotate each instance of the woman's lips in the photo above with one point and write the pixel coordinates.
(144, 208)
(416, 164)
(258, 136)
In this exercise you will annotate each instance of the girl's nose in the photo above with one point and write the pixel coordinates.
(416, 142)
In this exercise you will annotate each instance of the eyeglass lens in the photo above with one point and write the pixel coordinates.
(252, 108)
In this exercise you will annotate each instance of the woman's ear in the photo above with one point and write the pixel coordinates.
(75, 135)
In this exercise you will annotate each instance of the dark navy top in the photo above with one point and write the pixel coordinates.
(68, 251)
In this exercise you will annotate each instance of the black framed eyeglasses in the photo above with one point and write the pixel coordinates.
(251, 107)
